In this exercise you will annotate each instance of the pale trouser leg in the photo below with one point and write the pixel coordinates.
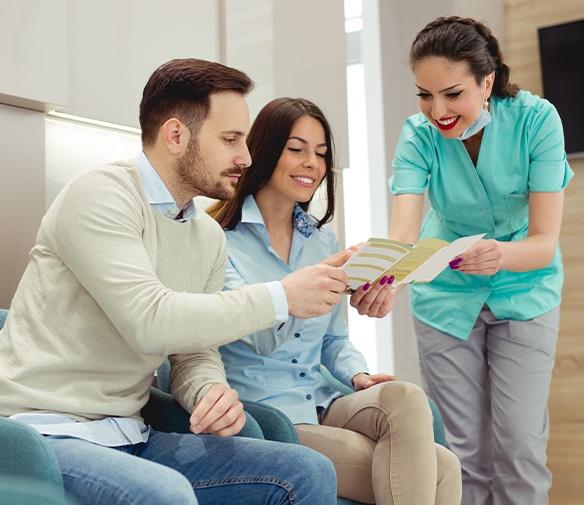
(521, 355)
(395, 423)
(492, 392)
(456, 377)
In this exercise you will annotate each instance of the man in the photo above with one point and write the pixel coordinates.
(126, 272)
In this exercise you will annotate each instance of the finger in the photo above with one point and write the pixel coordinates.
(203, 406)
(222, 406)
(226, 420)
(373, 298)
(338, 275)
(232, 429)
(337, 260)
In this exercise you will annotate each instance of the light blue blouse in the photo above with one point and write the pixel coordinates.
(282, 368)
(522, 150)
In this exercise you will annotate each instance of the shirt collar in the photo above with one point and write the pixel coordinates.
(250, 213)
(157, 193)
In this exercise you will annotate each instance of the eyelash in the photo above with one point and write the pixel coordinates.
(295, 150)
(450, 96)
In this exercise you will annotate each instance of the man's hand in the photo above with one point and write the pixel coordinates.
(364, 381)
(376, 301)
(312, 291)
(340, 258)
(219, 412)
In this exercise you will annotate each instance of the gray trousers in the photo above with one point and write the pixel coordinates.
(492, 391)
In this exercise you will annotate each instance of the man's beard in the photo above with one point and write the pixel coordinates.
(195, 176)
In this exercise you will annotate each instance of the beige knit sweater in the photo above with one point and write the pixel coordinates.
(111, 289)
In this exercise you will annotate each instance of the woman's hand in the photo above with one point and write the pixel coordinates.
(483, 258)
(376, 300)
(364, 381)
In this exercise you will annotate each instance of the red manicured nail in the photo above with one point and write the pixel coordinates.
(366, 286)
(383, 280)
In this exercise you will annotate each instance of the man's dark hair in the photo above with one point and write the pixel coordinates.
(181, 88)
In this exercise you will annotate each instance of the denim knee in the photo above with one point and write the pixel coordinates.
(168, 488)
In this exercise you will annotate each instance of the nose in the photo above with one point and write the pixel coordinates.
(243, 158)
(311, 160)
(438, 109)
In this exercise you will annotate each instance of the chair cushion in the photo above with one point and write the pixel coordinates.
(25, 453)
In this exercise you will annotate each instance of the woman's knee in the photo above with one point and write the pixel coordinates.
(404, 398)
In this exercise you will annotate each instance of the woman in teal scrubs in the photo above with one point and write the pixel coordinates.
(492, 160)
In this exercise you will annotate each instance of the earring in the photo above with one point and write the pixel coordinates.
(486, 104)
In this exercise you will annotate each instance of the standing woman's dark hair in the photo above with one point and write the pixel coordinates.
(266, 141)
(464, 39)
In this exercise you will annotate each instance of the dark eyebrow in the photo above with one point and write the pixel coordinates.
(234, 132)
(300, 139)
(445, 90)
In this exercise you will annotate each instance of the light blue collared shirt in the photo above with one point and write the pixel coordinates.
(282, 368)
(158, 194)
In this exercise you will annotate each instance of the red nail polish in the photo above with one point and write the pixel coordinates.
(383, 280)
(366, 286)
(391, 279)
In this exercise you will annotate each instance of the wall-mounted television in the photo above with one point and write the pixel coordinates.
(561, 49)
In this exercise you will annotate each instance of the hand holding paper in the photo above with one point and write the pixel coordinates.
(407, 263)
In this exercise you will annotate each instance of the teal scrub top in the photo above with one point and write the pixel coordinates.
(522, 150)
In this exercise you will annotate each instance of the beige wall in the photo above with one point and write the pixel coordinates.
(566, 446)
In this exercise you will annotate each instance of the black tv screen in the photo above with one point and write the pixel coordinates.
(561, 50)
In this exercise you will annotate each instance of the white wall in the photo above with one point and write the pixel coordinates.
(87, 58)
(22, 192)
(33, 53)
(114, 46)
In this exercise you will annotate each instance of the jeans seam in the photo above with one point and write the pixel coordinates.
(252, 479)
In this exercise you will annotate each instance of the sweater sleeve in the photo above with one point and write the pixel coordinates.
(97, 233)
(191, 375)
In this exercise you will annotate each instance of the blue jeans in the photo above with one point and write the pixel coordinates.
(169, 466)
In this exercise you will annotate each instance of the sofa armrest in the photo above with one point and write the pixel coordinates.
(164, 413)
(274, 424)
(25, 454)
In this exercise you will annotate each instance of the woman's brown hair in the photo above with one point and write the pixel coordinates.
(266, 141)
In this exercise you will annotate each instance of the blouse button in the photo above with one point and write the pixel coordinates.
(294, 360)
(302, 374)
(297, 335)
(308, 397)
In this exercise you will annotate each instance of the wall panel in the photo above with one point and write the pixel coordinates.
(566, 445)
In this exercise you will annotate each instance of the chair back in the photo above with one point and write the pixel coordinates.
(3, 316)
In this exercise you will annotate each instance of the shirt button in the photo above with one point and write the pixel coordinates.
(294, 360)
(308, 397)
(485, 211)
(297, 335)
(302, 374)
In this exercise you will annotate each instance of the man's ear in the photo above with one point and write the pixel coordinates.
(175, 136)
